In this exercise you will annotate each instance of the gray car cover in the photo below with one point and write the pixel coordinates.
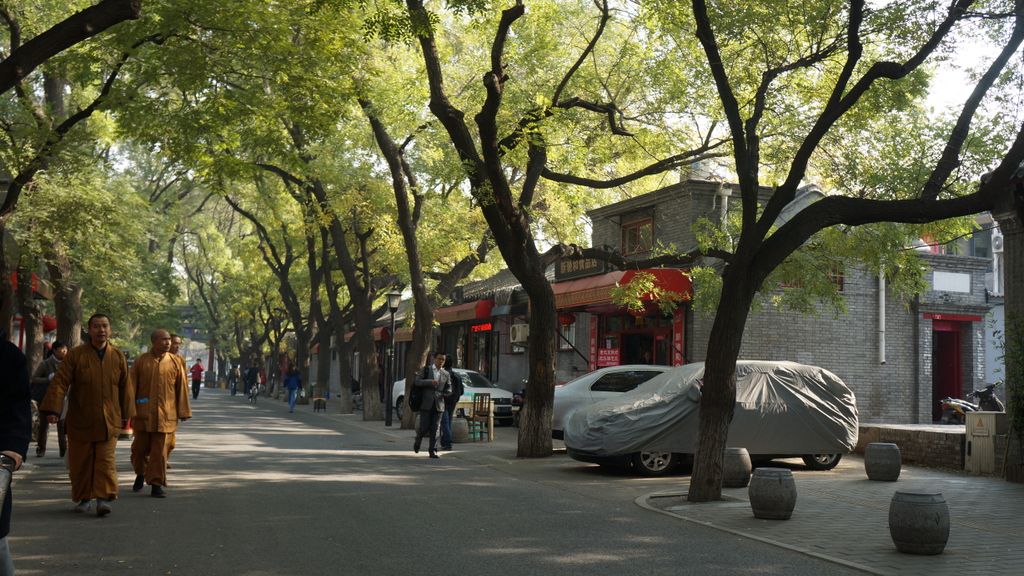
(782, 408)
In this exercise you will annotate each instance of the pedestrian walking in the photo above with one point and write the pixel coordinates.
(234, 376)
(94, 378)
(449, 405)
(41, 379)
(161, 400)
(436, 384)
(292, 383)
(15, 431)
(197, 377)
(176, 340)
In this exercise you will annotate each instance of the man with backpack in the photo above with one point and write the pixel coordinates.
(449, 405)
(436, 385)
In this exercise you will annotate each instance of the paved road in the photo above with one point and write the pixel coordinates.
(257, 491)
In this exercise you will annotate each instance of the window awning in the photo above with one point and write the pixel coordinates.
(379, 333)
(462, 312)
(596, 290)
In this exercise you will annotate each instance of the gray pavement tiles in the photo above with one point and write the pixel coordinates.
(843, 517)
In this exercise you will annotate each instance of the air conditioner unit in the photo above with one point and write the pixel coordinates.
(519, 333)
(997, 244)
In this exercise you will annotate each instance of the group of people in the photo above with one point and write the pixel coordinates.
(91, 394)
(442, 389)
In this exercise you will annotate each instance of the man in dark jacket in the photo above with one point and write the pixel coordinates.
(15, 431)
(40, 382)
(449, 406)
(437, 385)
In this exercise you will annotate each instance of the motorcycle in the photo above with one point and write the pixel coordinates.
(955, 410)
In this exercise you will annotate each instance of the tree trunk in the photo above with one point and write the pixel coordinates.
(6, 291)
(323, 364)
(402, 179)
(718, 395)
(31, 316)
(67, 299)
(535, 422)
(1011, 223)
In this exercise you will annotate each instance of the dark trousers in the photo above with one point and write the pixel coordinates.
(195, 388)
(44, 431)
(446, 428)
(429, 419)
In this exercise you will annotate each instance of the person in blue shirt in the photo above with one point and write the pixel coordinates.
(292, 383)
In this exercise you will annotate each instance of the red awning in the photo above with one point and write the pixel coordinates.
(475, 310)
(380, 333)
(596, 290)
(40, 288)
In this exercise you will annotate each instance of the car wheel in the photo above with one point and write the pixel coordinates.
(399, 405)
(654, 463)
(822, 461)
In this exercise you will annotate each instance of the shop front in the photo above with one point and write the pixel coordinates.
(619, 336)
(470, 336)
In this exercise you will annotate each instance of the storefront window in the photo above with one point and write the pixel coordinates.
(568, 338)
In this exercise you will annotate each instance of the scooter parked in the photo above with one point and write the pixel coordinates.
(954, 410)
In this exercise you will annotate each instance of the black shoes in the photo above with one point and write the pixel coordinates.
(40, 452)
(416, 446)
(158, 491)
(434, 455)
(139, 481)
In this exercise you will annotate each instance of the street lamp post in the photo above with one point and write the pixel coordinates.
(394, 299)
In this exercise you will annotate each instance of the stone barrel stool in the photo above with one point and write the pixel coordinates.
(736, 468)
(919, 522)
(772, 493)
(460, 430)
(882, 461)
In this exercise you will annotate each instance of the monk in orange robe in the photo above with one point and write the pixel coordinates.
(94, 377)
(161, 400)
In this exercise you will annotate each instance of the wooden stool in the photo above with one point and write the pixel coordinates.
(319, 404)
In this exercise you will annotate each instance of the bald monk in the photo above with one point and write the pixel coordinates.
(94, 377)
(161, 399)
(175, 347)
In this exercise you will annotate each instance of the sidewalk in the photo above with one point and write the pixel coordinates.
(841, 516)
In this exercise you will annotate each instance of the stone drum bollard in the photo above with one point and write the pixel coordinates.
(460, 430)
(736, 468)
(919, 522)
(772, 493)
(882, 461)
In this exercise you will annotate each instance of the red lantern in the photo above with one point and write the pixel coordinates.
(566, 318)
(49, 323)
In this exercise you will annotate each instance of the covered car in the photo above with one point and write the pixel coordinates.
(782, 409)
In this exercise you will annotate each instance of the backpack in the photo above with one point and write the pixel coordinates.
(416, 394)
(415, 398)
(457, 388)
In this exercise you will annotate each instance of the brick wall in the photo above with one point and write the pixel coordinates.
(919, 447)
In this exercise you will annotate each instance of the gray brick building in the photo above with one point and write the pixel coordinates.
(899, 358)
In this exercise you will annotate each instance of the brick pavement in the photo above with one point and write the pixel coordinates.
(842, 516)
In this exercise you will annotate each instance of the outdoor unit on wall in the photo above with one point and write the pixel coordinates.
(519, 333)
(997, 243)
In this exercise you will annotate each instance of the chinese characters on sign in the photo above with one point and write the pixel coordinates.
(607, 357)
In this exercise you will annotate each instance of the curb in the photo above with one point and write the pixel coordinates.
(643, 502)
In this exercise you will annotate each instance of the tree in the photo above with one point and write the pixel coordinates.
(837, 56)
(487, 157)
